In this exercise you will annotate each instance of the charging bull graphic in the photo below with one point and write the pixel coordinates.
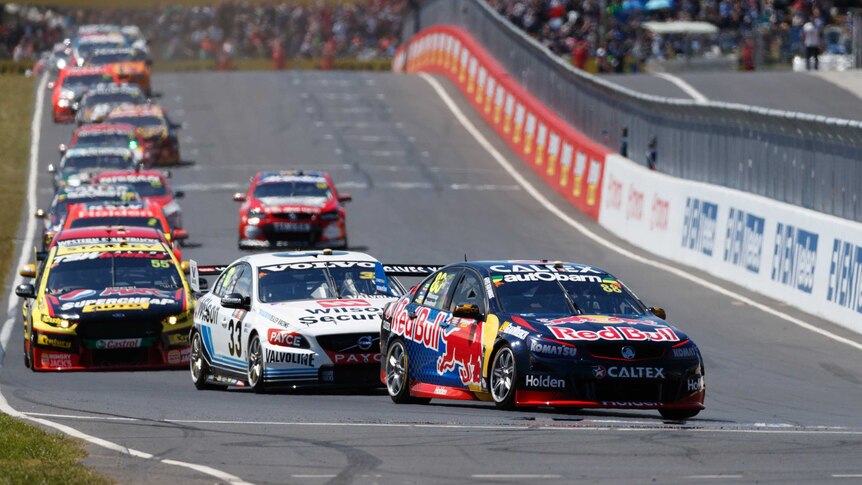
(463, 344)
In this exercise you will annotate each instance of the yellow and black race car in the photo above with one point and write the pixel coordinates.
(107, 306)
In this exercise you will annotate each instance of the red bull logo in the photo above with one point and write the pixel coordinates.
(421, 329)
(463, 344)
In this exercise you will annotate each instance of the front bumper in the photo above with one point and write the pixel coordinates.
(273, 233)
(165, 351)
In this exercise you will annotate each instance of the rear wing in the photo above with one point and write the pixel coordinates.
(410, 269)
(195, 273)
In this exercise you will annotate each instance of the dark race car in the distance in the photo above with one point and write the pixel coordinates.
(533, 333)
(292, 209)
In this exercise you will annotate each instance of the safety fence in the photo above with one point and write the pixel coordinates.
(802, 257)
(805, 160)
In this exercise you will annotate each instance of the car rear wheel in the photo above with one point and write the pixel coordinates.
(678, 414)
(255, 365)
(28, 355)
(198, 365)
(504, 375)
(397, 380)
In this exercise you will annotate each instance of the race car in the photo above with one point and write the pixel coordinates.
(103, 135)
(293, 319)
(103, 98)
(109, 234)
(117, 305)
(153, 187)
(136, 214)
(71, 84)
(129, 64)
(79, 165)
(292, 209)
(56, 214)
(84, 46)
(534, 333)
(161, 146)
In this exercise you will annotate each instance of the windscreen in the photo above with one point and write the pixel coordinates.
(302, 281)
(113, 98)
(59, 209)
(292, 189)
(105, 140)
(149, 188)
(96, 162)
(123, 269)
(548, 293)
(138, 121)
(119, 221)
(101, 59)
(85, 80)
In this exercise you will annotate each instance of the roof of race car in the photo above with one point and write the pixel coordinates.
(98, 151)
(107, 234)
(112, 247)
(129, 176)
(102, 128)
(291, 257)
(110, 88)
(94, 190)
(534, 266)
(138, 110)
(290, 176)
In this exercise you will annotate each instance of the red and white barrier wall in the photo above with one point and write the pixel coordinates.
(567, 160)
(807, 259)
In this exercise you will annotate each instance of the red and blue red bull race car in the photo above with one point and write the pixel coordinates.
(533, 333)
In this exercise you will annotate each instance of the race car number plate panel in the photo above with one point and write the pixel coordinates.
(291, 227)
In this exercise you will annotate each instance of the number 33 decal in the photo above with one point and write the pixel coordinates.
(235, 348)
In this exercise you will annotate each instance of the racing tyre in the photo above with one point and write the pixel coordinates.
(255, 365)
(504, 376)
(397, 381)
(198, 365)
(678, 414)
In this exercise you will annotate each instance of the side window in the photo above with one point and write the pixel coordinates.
(439, 288)
(243, 283)
(469, 291)
(423, 290)
(227, 281)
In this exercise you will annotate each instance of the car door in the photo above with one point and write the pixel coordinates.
(460, 360)
(428, 312)
(220, 338)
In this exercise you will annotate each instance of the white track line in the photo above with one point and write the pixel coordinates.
(6, 331)
(544, 202)
(682, 84)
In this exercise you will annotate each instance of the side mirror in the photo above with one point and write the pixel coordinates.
(28, 271)
(180, 234)
(239, 197)
(236, 301)
(344, 198)
(203, 285)
(40, 214)
(51, 168)
(467, 311)
(179, 194)
(659, 312)
(62, 149)
(26, 291)
(175, 126)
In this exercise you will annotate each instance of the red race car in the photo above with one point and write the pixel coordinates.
(152, 186)
(110, 234)
(107, 135)
(71, 84)
(292, 209)
(126, 215)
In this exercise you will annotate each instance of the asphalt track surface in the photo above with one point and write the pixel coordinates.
(783, 403)
(835, 94)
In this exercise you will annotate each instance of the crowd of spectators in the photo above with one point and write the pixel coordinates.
(613, 37)
(359, 29)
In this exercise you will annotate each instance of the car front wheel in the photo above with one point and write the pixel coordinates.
(504, 375)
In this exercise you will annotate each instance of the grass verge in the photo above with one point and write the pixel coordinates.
(30, 455)
(16, 113)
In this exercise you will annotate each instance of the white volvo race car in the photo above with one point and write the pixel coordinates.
(293, 319)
